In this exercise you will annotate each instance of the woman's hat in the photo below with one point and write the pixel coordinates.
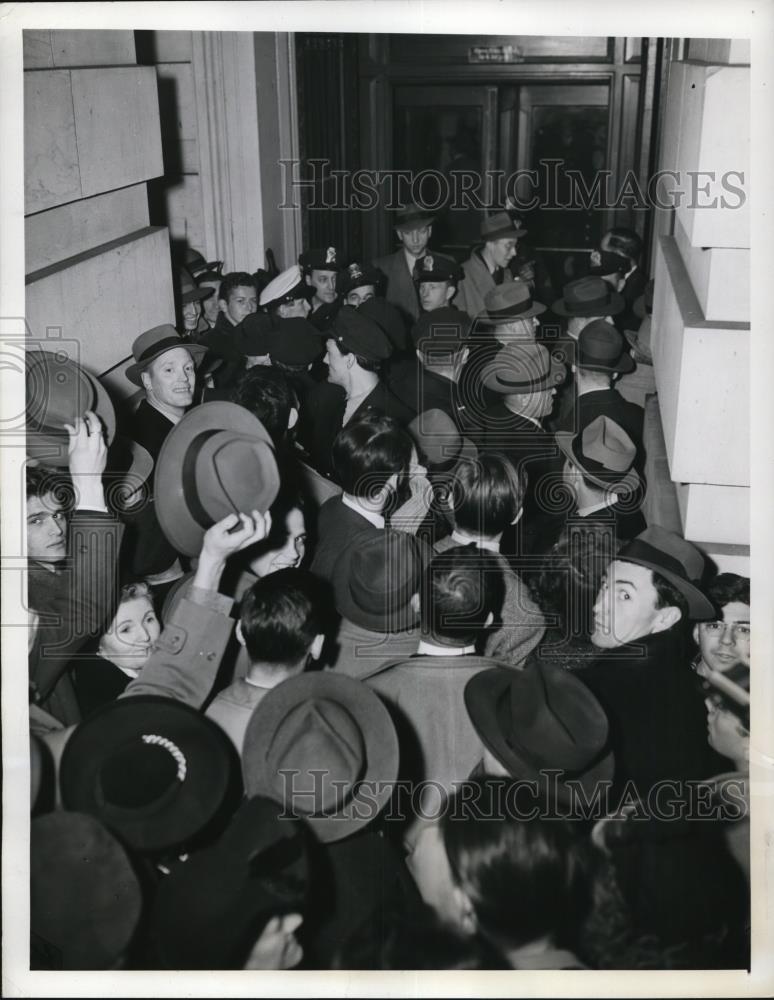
(208, 913)
(153, 343)
(85, 900)
(588, 296)
(153, 770)
(324, 745)
(542, 719)
(680, 563)
(522, 368)
(604, 452)
(60, 391)
(218, 460)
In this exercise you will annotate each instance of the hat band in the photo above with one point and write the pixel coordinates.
(596, 303)
(594, 468)
(528, 384)
(158, 348)
(585, 359)
(647, 553)
(514, 310)
(190, 493)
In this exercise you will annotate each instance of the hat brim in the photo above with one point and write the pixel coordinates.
(197, 352)
(623, 366)
(122, 486)
(196, 295)
(549, 381)
(208, 753)
(414, 221)
(699, 606)
(379, 738)
(177, 522)
(536, 309)
(482, 694)
(611, 308)
(504, 233)
(624, 484)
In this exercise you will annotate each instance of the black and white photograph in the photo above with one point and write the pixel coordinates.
(386, 424)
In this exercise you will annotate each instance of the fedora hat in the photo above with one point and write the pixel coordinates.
(446, 329)
(588, 296)
(195, 263)
(509, 301)
(58, 392)
(357, 275)
(189, 290)
(500, 226)
(155, 342)
(438, 439)
(85, 899)
(325, 746)
(373, 583)
(153, 770)
(218, 460)
(208, 912)
(413, 215)
(604, 452)
(522, 367)
(388, 318)
(602, 348)
(129, 467)
(542, 719)
(680, 563)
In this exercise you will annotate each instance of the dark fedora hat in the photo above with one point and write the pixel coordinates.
(373, 583)
(438, 439)
(356, 275)
(189, 290)
(509, 301)
(153, 770)
(542, 719)
(295, 342)
(388, 317)
(59, 391)
(325, 746)
(354, 333)
(588, 296)
(208, 913)
(218, 460)
(602, 348)
(522, 367)
(609, 263)
(413, 215)
(604, 452)
(500, 226)
(155, 342)
(445, 329)
(680, 563)
(85, 899)
(195, 262)
(326, 259)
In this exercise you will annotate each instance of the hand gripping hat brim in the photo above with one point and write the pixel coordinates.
(331, 728)
(218, 460)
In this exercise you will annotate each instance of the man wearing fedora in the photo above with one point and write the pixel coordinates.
(487, 265)
(602, 357)
(194, 325)
(413, 228)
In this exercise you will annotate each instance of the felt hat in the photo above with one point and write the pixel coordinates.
(214, 277)
(357, 275)
(189, 290)
(208, 913)
(155, 342)
(389, 318)
(217, 460)
(509, 301)
(680, 563)
(445, 329)
(258, 333)
(288, 286)
(605, 454)
(59, 391)
(327, 259)
(412, 216)
(129, 468)
(354, 333)
(295, 342)
(325, 746)
(153, 770)
(436, 267)
(438, 439)
(500, 226)
(195, 263)
(609, 263)
(542, 719)
(521, 368)
(373, 583)
(85, 899)
(601, 348)
(588, 296)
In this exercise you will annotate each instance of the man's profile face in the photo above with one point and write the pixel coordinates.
(324, 284)
(502, 251)
(46, 529)
(241, 301)
(296, 308)
(727, 642)
(625, 609)
(415, 240)
(435, 294)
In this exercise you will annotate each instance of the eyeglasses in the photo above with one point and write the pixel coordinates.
(738, 630)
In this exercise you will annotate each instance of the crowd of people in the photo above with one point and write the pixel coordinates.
(352, 647)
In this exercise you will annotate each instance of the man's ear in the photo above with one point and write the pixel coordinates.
(315, 650)
(451, 291)
(293, 418)
(666, 618)
(146, 380)
(222, 305)
(308, 279)
(415, 603)
(429, 230)
(239, 634)
(696, 634)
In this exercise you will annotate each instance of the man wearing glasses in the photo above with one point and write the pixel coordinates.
(725, 643)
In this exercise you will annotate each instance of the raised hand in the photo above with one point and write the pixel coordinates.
(234, 533)
(87, 453)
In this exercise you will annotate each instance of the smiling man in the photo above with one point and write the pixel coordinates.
(725, 643)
